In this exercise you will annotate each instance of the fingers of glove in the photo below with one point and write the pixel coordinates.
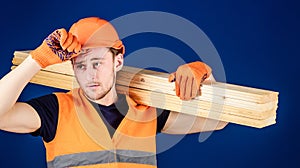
(208, 70)
(63, 35)
(199, 76)
(195, 89)
(188, 79)
(182, 87)
(181, 77)
(189, 89)
(199, 91)
(67, 42)
(53, 40)
(77, 48)
(75, 52)
(172, 77)
(177, 85)
(73, 45)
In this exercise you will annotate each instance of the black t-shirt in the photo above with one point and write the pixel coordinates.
(47, 108)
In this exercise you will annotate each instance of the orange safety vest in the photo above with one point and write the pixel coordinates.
(82, 139)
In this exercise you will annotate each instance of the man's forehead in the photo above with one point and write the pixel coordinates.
(92, 53)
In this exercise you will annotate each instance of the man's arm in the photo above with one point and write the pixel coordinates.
(180, 123)
(21, 117)
(18, 117)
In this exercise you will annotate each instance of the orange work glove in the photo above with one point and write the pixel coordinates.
(188, 79)
(59, 46)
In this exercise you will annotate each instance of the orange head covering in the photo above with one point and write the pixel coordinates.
(95, 32)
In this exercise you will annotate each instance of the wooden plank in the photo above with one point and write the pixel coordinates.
(138, 80)
(69, 82)
(55, 80)
(144, 97)
(225, 90)
(156, 81)
(221, 101)
(62, 68)
(159, 100)
(217, 88)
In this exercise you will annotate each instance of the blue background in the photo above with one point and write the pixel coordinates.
(257, 41)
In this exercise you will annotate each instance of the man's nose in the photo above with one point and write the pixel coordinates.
(91, 72)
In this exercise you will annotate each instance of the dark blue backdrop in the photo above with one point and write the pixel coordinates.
(257, 42)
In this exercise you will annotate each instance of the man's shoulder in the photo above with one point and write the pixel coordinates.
(69, 94)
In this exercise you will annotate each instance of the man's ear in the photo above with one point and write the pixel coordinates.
(119, 60)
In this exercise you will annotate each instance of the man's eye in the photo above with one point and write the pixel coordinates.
(96, 64)
(80, 66)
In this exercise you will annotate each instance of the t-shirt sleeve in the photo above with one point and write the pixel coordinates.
(47, 108)
(161, 119)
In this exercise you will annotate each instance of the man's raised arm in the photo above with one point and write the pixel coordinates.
(21, 117)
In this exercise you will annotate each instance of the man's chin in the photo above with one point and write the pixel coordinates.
(96, 94)
(93, 96)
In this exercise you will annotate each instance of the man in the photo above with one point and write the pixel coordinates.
(93, 126)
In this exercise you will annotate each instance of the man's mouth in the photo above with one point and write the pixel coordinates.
(93, 85)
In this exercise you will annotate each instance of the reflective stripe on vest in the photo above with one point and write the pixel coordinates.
(103, 157)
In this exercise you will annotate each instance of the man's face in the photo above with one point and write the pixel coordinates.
(95, 72)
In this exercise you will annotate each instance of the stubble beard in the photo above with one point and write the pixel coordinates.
(97, 96)
(102, 94)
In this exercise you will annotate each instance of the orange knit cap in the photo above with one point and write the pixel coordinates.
(95, 32)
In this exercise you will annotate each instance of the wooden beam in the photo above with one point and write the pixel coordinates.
(220, 101)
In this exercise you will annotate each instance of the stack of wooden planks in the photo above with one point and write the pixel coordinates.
(220, 101)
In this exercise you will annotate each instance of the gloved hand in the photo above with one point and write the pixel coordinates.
(59, 46)
(188, 79)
